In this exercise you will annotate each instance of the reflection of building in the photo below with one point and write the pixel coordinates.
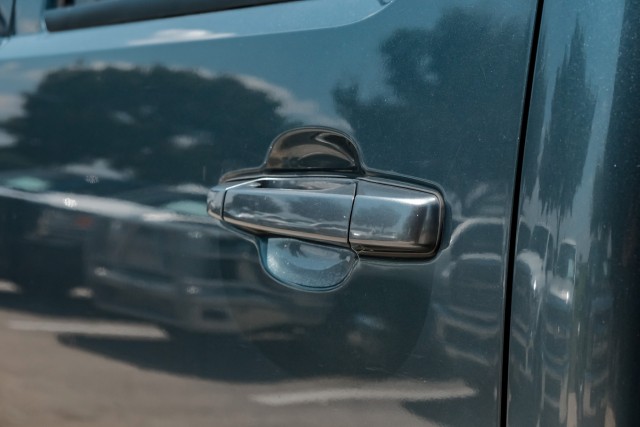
(467, 323)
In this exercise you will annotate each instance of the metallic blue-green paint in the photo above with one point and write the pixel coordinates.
(431, 91)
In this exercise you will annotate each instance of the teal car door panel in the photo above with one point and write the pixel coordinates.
(286, 214)
(574, 340)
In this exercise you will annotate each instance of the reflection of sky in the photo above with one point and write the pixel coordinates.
(178, 35)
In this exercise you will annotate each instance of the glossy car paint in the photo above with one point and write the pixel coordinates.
(574, 339)
(432, 93)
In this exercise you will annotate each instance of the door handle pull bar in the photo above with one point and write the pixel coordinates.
(371, 217)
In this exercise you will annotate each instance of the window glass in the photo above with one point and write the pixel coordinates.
(62, 15)
(28, 16)
(5, 15)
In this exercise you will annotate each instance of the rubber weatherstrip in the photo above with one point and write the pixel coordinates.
(504, 401)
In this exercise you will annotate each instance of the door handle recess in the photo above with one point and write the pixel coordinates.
(372, 218)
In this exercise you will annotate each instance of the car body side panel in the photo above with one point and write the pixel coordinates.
(110, 139)
(574, 321)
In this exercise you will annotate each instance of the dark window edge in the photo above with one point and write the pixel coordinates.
(124, 11)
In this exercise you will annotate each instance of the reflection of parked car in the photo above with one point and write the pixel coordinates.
(598, 346)
(534, 266)
(169, 263)
(165, 261)
(598, 337)
(162, 261)
(468, 326)
(557, 333)
(46, 215)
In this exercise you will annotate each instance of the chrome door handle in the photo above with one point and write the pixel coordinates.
(308, 208)
(372, 217)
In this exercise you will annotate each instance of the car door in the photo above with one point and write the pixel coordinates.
(258, 213)
(574, 312)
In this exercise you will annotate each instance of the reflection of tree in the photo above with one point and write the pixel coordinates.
(535, 129)
(452, 100)
(615, 223)
(164, 125)
(568, 133)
